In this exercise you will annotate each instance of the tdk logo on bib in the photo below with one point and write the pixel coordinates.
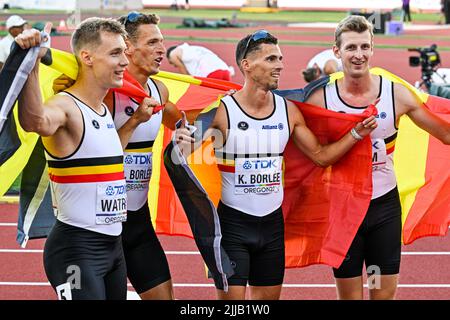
(113, 190)
(109, 191)
(260, 164)
(137, 159)
(128, 160)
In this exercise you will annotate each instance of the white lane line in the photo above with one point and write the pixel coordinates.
(41, 251)
(21, 251)
(420, 253)
(406, 253)
(210, 285)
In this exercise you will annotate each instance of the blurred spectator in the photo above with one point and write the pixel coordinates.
(442, 13)
(406, 11)
(15, 25)
(322, 64)
(198, 61)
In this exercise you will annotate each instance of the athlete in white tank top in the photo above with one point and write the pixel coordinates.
(383, 137)
(88, 186)
(251, 160)
(138, 152)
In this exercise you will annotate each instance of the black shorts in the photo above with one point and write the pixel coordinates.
(147, 264)
(85, 265)
(378, 240)
(255, 246)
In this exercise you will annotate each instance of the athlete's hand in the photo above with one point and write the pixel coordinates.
(230, 92)
(145, 110)
(31, 38)
(369, 124)
(183, 136)
(62, 83)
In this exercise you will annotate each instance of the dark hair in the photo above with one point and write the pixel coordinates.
(132, 26)
(253, 45)
(88, 32)
(310, 74)
(170, 50)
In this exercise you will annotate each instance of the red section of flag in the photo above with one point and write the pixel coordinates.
(197, 96)
(225, 168)
(170, 218)
(133, 89)
(324, 207)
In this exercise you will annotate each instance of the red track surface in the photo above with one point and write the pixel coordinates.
(297, 57)
(22, 275)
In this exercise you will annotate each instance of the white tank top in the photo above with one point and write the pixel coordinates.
(138, 153)
(200, 61)
(251, 160)
(383, 137)
(88, 186)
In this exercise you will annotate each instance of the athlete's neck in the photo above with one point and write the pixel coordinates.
(254, 98)
(357, 86)
(255, 101)
(89, 92)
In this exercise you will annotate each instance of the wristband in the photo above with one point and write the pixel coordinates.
(355, 134)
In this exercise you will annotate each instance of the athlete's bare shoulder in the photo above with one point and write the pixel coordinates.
(164, 92)
(317, 98)
(405, 100)
(62, 104)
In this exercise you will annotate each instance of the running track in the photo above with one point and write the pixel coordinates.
(424, 271)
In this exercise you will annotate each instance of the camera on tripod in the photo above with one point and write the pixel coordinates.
(428, 59)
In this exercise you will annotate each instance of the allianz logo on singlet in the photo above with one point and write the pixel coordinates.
(260, 164)
(137, 159)
(272, 127)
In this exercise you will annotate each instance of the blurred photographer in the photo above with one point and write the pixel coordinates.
(322, 64)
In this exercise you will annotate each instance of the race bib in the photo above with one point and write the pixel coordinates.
(138, 171)
(378, 154)
(111, 202)
(257, 175)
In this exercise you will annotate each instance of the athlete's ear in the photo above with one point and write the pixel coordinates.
(130, 48)
(85, 57)
(244, 65)
(336, 52)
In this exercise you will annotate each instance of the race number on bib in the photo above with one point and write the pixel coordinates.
(257, 175)
(378, 154)
(111, 202)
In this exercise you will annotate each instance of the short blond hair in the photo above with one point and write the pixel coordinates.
(354, 23)
(89, 31)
